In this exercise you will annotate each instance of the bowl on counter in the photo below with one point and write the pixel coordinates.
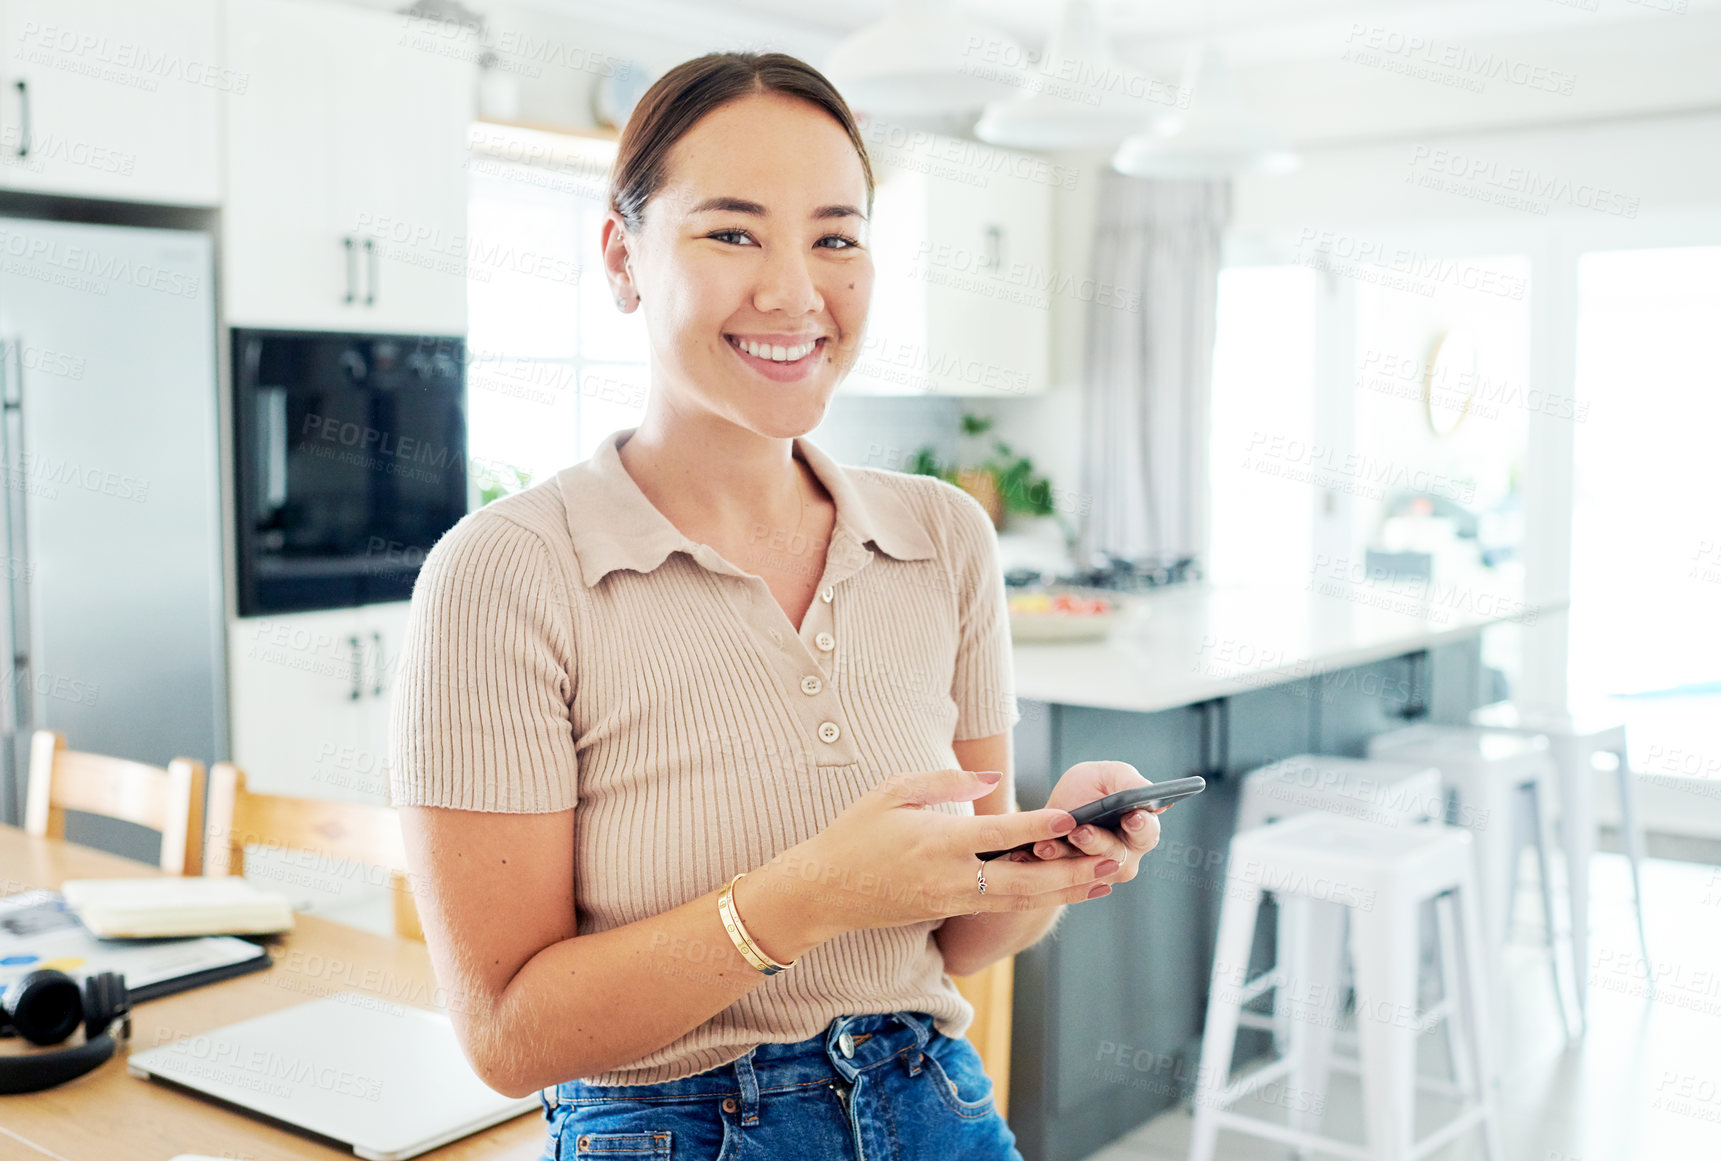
(1062, 613)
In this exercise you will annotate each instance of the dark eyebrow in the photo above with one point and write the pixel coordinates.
(743, 206)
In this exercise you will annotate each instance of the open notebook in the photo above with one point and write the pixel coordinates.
(176, 905)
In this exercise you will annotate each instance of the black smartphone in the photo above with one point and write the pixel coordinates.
(1109, 811)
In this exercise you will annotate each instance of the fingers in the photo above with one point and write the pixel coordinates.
(1058, 848)
(1101, 840)
(1084, 840)
(1141, 829)
(1078, 892)
(924, 787)
(1006, 878)
(996, 832)
(1109, 776)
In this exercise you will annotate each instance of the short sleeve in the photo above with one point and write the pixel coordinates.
(984, 686)
(480, 718)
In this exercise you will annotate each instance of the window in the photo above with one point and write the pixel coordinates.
(1646, 534)
(1263, 403)
(1442, 379)
(553, 366)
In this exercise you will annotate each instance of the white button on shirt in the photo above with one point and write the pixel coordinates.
(829, 731)
(811, 684)
(825, 641)
(826, 593)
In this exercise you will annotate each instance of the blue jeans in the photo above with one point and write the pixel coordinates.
(874, 1087)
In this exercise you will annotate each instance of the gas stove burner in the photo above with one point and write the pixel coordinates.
(1108, 571)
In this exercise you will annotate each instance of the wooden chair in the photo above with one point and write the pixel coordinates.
(169, 800)
(340, 830)
(992, 992)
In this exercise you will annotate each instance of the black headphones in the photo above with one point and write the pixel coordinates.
(44, 1006)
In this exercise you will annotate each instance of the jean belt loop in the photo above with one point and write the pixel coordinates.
(922, 1034)
(749, 1088)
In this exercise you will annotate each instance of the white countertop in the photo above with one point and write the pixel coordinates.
(1185, 644)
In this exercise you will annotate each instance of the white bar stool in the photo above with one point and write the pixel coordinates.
(1380, 876)
(1574, 741)
(1392, 793)
(1376, 790)
(1490, 773)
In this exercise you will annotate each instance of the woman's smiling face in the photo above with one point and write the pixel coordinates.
(752, 268)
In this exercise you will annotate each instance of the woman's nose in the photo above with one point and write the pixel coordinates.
(786, 284)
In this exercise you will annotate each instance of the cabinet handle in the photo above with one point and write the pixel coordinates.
(19, 708)
(357, 690)
(23, 118)
(352, 271)
(376, 691)
(371, 271)
(1416, 681)
(1215, 743)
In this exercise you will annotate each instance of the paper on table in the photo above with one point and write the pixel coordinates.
(38, 930)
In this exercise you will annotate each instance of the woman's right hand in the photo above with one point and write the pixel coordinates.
(887, 862)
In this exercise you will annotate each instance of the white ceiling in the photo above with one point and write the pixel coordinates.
(1267, 28)
(1630, 58)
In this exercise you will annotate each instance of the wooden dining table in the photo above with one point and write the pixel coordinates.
(109, 1114)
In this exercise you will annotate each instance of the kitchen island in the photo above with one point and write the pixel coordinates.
(1198, 679)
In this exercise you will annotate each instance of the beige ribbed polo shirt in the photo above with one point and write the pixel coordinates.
(569, 648)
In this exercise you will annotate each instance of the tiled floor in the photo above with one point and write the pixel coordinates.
(1642, 1084)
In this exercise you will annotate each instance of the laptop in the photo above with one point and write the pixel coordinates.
(385, 1080)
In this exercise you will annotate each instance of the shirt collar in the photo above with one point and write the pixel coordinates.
(615, 526)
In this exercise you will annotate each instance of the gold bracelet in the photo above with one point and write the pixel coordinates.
(738, 934)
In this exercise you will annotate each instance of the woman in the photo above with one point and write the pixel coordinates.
(695, 743)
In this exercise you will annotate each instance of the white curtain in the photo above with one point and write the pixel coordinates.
(1148, 363)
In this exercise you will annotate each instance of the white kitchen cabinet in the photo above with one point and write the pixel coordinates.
(963, 285)
(113, 99)
(310, 700)
(385, 629)
(345, 171)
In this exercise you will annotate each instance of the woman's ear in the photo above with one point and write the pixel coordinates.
(618, 262)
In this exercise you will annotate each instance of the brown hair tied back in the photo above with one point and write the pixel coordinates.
(690, 90)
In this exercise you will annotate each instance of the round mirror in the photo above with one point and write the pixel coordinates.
(1449, 382)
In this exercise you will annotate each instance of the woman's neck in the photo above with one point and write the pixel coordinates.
(717, 482)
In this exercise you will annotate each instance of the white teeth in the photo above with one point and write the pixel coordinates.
(775, 353)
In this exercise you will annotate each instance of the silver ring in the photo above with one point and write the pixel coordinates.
(982, 873)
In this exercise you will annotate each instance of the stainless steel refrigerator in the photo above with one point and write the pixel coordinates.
(112, 626)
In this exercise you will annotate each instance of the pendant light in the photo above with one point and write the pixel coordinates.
(925, 59)
(1080, 98)
(1219, 135)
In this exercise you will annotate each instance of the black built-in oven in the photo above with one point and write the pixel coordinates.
(350, 452)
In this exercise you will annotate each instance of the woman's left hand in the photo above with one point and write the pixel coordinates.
(1081, 784)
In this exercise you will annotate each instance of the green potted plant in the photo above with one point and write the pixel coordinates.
(1003, 481)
